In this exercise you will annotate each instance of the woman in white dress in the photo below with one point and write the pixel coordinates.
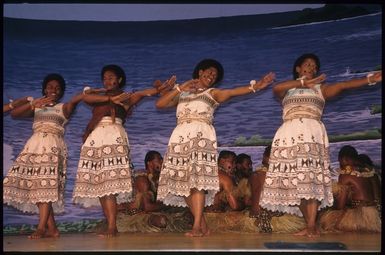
(189, 174)
(298, 180)
(35, 182)
(104, 170)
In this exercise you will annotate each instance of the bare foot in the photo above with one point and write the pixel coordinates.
(313, 232)
(303, 232)
(194, 233)
(204, 229)
(52, 233)
(109, 233)
(39, 233)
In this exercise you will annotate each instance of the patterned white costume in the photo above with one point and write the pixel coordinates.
(38, 173)
(299, 160)
(191, 157)
(104, 165)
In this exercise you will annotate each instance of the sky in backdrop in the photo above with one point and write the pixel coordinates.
(142, 12)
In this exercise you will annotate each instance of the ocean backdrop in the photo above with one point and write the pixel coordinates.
(347, 48)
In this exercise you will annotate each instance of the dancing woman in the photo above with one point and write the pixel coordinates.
(298, 180)
(35, 182)
(104, 169)
(189, 174)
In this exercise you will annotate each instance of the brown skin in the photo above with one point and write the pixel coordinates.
(257, 179)
(47, 226)
(16, 103)
(226, 184)
(361, 188)
(244, 170)
(206, 79)
(127, 100)
(309, 69)
(143, 185)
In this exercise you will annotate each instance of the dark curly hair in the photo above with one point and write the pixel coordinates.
(301, 59)
(348, 151)
(118, 71)
(54, 77)
(150, 156)
(206, 64)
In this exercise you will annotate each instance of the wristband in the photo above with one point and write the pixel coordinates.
(177, 88)
(368, 78)
(85, 89)
(32, 105)
(251, 87)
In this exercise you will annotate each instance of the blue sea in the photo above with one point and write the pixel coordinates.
(345, 47)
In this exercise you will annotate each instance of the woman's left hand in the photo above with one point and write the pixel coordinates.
(377, 76)
(122, 98)
(166, 86)
(266, 80)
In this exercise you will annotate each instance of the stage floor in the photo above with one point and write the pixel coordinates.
(235, 242)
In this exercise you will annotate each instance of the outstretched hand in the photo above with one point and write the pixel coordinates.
(266, 80)
(377, 76)
(94, 91)
(193, 86)
(166, 86)
(312, 82)
(122, 98)
(42, 102)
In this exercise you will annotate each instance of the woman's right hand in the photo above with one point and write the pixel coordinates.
(42, 102)
(312, 82)
(122, 98)
(190, 85)
(166, 86)
(89, 90)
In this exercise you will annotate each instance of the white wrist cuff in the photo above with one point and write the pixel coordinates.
(368, 78)
(85, 89)
(252, 84)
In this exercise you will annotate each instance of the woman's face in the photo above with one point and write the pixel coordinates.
(110, 80)
(208, 77)
(308, 69)
(53, 90)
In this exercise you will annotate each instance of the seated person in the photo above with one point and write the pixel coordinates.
(243, 167)
(355, 196)
(257, 180)
(225, 197)
(243, 171)
(145, 186)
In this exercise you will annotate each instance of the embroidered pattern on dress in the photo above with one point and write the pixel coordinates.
(191, 159)
(38, 174)
(299, 165)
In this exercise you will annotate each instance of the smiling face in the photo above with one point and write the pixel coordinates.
(208, 76)
(308, 68)
(110, 80)
(53, 90)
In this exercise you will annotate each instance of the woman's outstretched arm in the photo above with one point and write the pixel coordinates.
(70, 106)
(222, 95)
(281, 88)
(330, 91)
